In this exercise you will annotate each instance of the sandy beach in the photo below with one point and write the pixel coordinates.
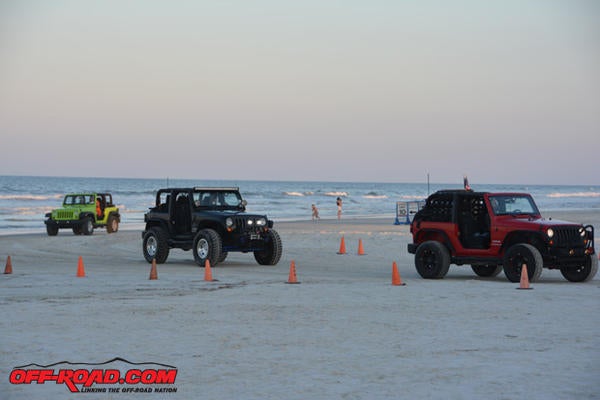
(343, 333)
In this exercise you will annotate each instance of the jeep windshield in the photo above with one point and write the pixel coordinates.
(218, 199)
(513, 205)
(78, 199)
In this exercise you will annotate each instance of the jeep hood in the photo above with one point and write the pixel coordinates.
(235, 213)
(535, 223)
(556, 222)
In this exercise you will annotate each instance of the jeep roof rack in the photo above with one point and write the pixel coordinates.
(450, 191)
(216, 188)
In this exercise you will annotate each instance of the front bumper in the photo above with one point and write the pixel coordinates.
(246, 242)
(63, 224)
(565, 257)
(570, 252)
(412, 248)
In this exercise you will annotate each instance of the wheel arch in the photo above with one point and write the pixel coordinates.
(87, 214)
(157, 224)
(210, 224)
(437, 236)
(529, 237)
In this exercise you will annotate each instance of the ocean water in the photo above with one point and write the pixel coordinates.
(24, 200)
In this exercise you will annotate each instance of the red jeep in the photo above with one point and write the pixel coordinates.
(495, 231)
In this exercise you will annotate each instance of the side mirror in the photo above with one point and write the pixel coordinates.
(243, 204)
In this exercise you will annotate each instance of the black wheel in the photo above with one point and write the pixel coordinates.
(87, 226)
(112, 224)
(155, 245)
(583, 273)
(432, 260)
(273, 249)
(207, 246)
(487, 271)
(77, 230)
(52, 229)
(223, 256)
(520, 254)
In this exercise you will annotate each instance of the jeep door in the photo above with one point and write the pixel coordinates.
(473, 222)
(180, 213)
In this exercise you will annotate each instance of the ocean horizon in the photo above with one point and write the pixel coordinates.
(24, 200)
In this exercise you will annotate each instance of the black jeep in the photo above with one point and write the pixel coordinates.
(211, 221)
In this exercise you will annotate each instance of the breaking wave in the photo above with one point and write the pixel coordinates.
(375, 196)
(30, 197)
(558, 195)
(337, 194)
(412, 197)
(295, 194)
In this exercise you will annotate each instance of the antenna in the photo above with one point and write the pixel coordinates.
(428, 184)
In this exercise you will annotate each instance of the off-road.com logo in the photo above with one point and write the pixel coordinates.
(88, 379)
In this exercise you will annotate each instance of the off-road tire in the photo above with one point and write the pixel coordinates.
(272, 252)
(487, 271)
(432, 260)
(87, 226)
(155, 245)
(51, 229)
(519, 254)
(77, 230)
(223, 256)
(207, 246)
(112, 224)
(583, 273)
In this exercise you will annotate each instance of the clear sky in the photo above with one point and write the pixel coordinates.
(388, 91)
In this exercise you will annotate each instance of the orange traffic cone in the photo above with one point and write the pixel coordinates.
(361, 250)
(396, 280)
(342, 246)
(207, 271)
(292, 278)
(80, 269)
(153, 271)
(524, 284)
(8, 268)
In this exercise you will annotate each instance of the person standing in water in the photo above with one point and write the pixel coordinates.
(338, 202)
(315, 212)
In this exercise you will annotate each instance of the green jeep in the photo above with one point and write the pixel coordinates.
(83, 212)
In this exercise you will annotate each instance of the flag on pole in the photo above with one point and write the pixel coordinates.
(466, 183)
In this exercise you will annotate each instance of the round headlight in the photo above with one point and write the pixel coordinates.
(250, 222)
(261, 222)
(229, 222)
(582, 232)
(550, 232)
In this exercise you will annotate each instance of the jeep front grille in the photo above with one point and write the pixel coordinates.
(241, 225)
(567, 236)
(63, 214)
